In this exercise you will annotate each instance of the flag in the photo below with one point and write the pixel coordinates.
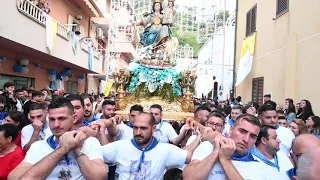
(246, 58)
(108, 88)
(51, 32)
(90, 57)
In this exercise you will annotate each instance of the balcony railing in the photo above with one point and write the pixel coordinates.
(35, 13)
(32, 11)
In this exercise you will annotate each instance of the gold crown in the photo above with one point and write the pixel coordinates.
(157, 1)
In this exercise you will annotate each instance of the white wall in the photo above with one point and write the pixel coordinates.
(222, 65)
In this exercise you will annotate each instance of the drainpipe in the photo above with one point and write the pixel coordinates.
(235, 52)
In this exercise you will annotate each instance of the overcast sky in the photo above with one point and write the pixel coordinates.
(230, 4)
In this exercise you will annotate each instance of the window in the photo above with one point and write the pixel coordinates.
(257, 90)
(19, 82)
(75, 25)
(251, 21)
(282, 7)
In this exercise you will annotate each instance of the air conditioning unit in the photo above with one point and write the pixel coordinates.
(99, 33)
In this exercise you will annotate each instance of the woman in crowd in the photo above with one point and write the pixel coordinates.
(312, 123)
(305, 110)
(297, 107)
(279, 107)
(10, 154)
(290, 110)
(18, 119)
(298, 126)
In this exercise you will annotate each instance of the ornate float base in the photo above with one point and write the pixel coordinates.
(171, 111)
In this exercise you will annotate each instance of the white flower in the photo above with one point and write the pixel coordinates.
(168, 79)
(142, 78)
(152, 87)
(132, 66)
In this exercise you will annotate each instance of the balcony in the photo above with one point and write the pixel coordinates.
(25, 24)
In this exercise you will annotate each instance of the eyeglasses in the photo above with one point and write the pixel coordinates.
(214, 124)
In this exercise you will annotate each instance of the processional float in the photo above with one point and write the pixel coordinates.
(153, 76)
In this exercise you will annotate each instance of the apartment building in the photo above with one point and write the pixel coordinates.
(285, 60)
(81, 43)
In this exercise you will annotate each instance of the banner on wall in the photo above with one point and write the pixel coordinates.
(51, 33)
(108, 88)
(246, 58)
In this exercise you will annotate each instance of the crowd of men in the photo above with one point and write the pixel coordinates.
(80, 136)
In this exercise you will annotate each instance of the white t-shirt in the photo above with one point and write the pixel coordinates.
(126, 156)
(284, 163)
(286, 137)
(166, 133)
(248, 170)
(19, 105)
(27, 131)
(41, 149)
(191, 139)
(125, 132)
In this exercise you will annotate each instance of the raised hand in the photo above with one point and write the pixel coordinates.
(227, 148)
(80, 138)
(37, 125)
(68, 140)
(102, 126)
(207, 130)
(89, 131)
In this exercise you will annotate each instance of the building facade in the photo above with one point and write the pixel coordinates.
(81, 43)
(24, 42)
(286, 49)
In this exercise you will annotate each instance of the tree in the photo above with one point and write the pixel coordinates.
(188, 37)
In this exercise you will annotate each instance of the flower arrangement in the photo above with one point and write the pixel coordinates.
(154, 81)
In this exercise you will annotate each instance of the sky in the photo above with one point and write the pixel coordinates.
(230, 4)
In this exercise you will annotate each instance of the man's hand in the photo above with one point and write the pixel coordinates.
(80, 138)
(252, 111)
(37, 125)
(207, 130)
(102, 126)
(227, 148)
(88, 131)
(68, 140)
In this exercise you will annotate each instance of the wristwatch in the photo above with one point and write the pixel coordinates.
(79, 154)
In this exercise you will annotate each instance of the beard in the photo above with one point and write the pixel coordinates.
(87, 113)
(140, 140)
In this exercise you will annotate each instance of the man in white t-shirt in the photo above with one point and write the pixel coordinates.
(268, 116)
(215, 122)
(267, 146)
(89, 116)
(143, 157)
(80, 122)
(228, 158)
(200, 115)
(135, 111)
(164, 131)
(68, 154)
(38, 130)
(236, 111)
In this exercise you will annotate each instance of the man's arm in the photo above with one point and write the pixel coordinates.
(228, 147)
(201, 169)
(190, 148)
(37, 126)
(93, 167)
(18, 171)
(101, 136)
(113, 129)
(40, 170)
